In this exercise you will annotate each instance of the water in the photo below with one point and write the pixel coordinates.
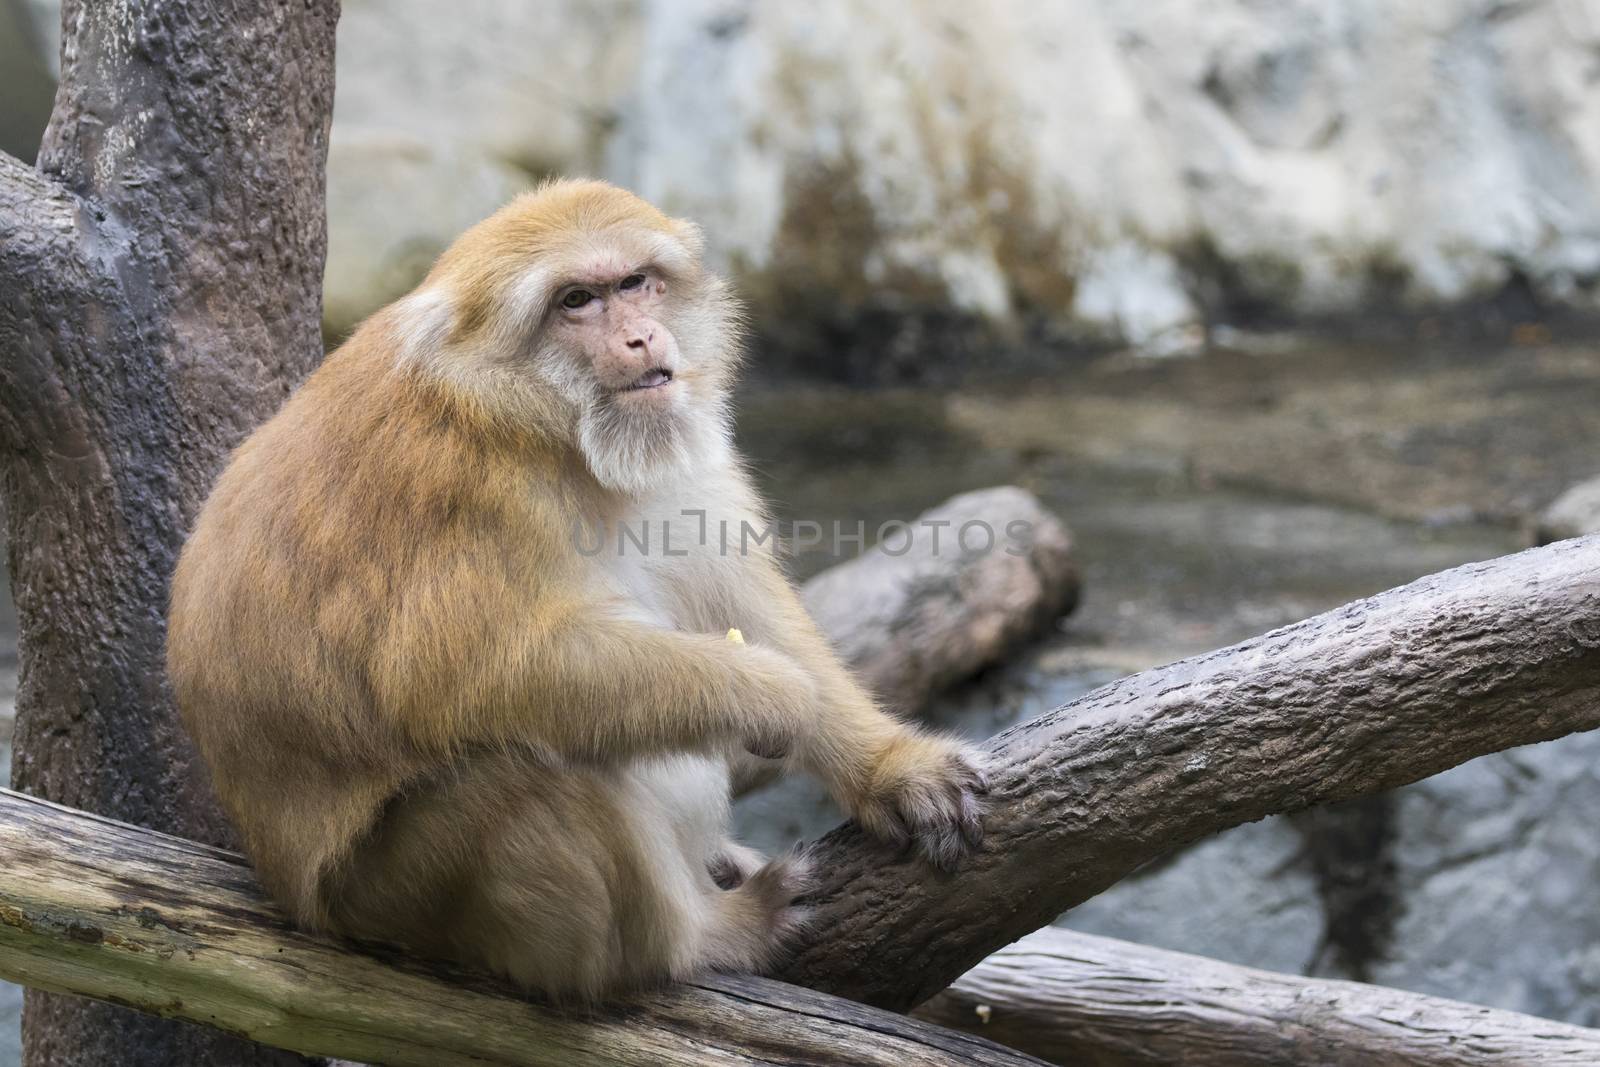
(1210, 499)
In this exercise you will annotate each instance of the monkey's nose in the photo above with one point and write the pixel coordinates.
(642, 341)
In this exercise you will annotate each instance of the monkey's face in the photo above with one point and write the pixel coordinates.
(583, 313)
(645, 406)
(612, 326)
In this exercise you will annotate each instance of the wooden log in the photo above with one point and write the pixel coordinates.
(965, 584)
(1370, 696)
(1088, 1001)
(101, 909)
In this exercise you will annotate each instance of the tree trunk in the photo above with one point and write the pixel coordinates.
(162, 275)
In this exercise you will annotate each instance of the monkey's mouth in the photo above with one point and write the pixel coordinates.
(654, 378)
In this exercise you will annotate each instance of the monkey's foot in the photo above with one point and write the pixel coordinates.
(733, 864)
(775, 888)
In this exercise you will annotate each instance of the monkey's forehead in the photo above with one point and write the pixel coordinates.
(546, 261)
(582, 231)
(582, 207)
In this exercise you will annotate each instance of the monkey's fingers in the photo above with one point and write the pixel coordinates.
(946, 826)
(767, 748)
(882, 821)
(971, 820)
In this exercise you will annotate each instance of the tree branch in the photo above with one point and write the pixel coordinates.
(44, 272)
(1373, 695)
(34, 209)
(1073, 998)
(97, 908)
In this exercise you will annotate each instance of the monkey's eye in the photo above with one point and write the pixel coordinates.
(632, 281)
(577, 298)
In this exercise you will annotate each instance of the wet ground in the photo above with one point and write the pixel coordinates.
(1210, 498)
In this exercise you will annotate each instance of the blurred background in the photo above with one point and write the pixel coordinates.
(1276, 304)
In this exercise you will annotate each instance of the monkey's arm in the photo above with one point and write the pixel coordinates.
(597, 687)
(900, 783)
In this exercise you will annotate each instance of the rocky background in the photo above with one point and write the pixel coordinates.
(917, 193)
(1092, 168)
(887, 182)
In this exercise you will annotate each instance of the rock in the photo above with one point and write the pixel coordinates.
(1574, 514)
(10, 1025)
(1246, 896)
(1490, 870)
(388, 217)
(888, 178)
(940, 598)
(1497, 863)
(443, 115)
(884, 178)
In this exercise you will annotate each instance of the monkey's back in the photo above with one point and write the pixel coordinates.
(337, 595)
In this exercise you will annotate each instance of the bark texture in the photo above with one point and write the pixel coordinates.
(173, 927)
(162, 271)
(975, 577)
(1084, 1001)
(1373, 695)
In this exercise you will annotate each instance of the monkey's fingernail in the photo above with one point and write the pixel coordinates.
(971, 822)
(942, 848)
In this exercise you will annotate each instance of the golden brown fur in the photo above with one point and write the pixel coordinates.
(437, 721)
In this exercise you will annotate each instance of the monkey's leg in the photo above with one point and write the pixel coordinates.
(753, 923)
(575, 882)
(740, 905)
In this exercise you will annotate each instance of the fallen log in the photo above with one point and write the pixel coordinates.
(100, 909)
(1085, 1001)
(1370, 696)
(965, 584)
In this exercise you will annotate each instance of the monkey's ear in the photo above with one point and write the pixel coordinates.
(423, 322)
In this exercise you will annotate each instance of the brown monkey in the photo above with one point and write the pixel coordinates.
(437, 716)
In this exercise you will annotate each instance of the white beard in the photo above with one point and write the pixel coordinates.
(635, 451)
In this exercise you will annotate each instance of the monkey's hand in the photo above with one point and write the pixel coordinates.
(793, 693)
(766, 745)
(924, 792)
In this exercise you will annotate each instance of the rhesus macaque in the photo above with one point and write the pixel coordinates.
(437, 716)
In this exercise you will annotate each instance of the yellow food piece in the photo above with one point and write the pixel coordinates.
(736, 637)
